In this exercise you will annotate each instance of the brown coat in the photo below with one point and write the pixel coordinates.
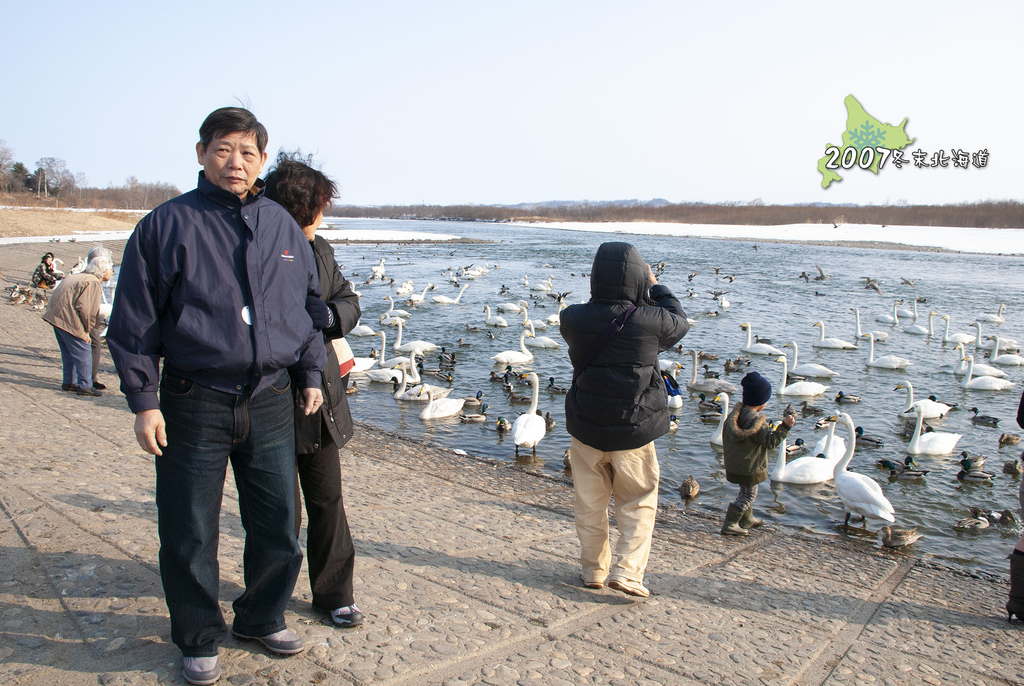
(746, 439)
(75, 305)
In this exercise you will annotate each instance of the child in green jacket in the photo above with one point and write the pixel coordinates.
(746, 438)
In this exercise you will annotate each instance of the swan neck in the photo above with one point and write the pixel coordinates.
(780, 462)
(536, 392)
(844, 461)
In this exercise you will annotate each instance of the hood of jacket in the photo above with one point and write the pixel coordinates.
(619, 274)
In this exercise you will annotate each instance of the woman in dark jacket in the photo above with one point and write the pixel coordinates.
(306, 193)
(616, 407)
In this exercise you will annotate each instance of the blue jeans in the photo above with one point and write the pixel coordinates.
(206, 429)
(75, 358)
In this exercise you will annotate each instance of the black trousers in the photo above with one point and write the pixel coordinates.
(330, 554)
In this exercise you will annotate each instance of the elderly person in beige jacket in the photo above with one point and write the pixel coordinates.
(73, 311)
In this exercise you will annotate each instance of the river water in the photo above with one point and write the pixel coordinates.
(768, 293)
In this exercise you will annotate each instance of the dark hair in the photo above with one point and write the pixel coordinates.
(230, 120)
(302, 190)
(50, 255)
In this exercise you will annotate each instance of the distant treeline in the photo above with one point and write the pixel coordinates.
(133, 195)
(996, 215)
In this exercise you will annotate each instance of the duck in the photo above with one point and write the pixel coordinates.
(859, 494)
(972, 523)
(496, 320)
(689, 488)
(1008, 439)
(809, 469)
(880, 336)
(898, 538)
(982, 383)
(932, 443)
(553, 388)
(800, 388)
(831, 343)
(903, 471)
(475, 401)
(980, 369)
(753, 348)
(503, 425)
(983, 419)
(886, 361)
(673, 423)
(464, 345)
(514, 398)
(708, 405)
(996, 318)
(529, 428)
(847, 399)
(1007, 360)
(475, 418)
(515, 356)
(473, 329)
(708, 374)
(353, 388)
(797, 449)
(865, 440)
(955, 338)
(809, 369)
(566, 460)
(445, 300)
(809, 410)
(971, 473)
(716, 437)
(703, 355)
(920, 329)
(1013, 467)
(439, 408)
(931, 408)
(977, 461)
(409, 346)
(738, 364)
(711, 416)
(549, 421)
(706, 385)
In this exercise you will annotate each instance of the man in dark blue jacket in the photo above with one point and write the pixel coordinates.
(215, 282)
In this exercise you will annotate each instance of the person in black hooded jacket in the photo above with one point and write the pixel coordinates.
(615, 408)
(306, 193)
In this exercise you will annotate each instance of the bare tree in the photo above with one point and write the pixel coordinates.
(6, 166)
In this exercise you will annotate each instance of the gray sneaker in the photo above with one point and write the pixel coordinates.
(283, 642)
(200, 670)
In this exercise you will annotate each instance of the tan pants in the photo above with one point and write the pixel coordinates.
(633, 476)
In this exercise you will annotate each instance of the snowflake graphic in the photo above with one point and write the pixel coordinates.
(867, 136)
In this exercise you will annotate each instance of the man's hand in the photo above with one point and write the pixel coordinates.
(151, 431)
(789, 420)
(651, 278)
(310, 400)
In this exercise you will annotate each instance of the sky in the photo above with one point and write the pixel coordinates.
(478, 102)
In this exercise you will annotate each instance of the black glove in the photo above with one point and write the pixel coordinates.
(320, 313)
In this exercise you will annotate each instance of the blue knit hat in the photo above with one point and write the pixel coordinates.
(756, 389)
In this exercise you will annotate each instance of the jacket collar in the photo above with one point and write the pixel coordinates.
(222, 197)
(758, 421)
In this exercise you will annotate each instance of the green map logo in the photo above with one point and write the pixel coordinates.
(867, 144)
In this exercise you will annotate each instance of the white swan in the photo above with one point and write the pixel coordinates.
(529, 428)
(716, 438)
(514, 308)
(441, 407)
(810, 368)
(893, 318)
(538, 324)
(800, 388)
(920, 329)
(886, 361)
(1004, 343)
(859, 494)
(907, 312)
(496, 320)
(809, 469)
(362, 364)
(535, 341)
(418, 297)
(411, 345)
(1005, 360)
(360, 331)
(979, 369)
(832, 343)
(830, 445)
(880, 336)
(445, 300)
(555, 318)
(392, 312)
(515, 356)
(996, 318)
(416, 394)
(955, 337)
(982, 383)
(933, 442)
(757, 348)
(705, 385)
(542, 287)
(384, 375)
(930, 408)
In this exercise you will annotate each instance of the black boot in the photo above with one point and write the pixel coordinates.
(732, 522)
(748, 520)
(1015, 605)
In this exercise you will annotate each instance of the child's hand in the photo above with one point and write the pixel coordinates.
(789, 421)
